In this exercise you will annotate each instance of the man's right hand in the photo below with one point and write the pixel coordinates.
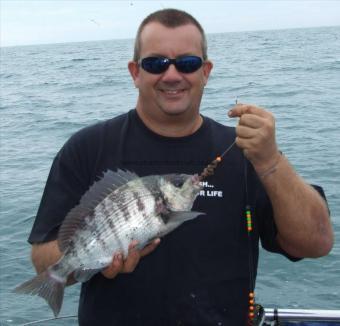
(128, 265)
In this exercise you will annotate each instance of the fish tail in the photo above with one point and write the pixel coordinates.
(47, 285)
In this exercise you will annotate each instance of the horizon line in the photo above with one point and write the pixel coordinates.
(132, 38)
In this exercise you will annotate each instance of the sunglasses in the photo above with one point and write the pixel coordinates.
(157, 65)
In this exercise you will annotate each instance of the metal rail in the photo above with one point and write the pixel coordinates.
(302, 315)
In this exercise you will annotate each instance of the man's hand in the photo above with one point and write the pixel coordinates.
(119, 265)
(256, 135)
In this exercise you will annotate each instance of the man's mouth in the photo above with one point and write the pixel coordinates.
(172, 91)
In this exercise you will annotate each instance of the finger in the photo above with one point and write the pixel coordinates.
(240, 109)
(246, 143)
(115, 267)
(150, 248)
(132, 259)
(251, 120)
(246, 132)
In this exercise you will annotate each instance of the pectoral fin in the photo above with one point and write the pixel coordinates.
(175, 219)
(182, 216)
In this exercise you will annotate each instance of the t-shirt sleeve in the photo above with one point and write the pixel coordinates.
(66, 183)
(267, 226)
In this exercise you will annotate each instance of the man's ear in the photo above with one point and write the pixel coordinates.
(207, 67)
(133, 67)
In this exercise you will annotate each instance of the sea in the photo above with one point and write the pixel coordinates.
(48, 92)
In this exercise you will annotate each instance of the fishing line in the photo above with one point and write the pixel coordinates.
(228, 149)
(208, 171)
(249, 227)
(48, 319)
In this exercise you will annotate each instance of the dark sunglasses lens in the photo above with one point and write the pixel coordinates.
(155, 65)
(188, 64)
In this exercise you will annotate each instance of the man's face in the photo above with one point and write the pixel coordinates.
(171, 92)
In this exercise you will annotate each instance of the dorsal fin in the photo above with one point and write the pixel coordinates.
(108, 183)
(75, 219)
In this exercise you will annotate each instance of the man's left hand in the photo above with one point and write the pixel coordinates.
(256, 135)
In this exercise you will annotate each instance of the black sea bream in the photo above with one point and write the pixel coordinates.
(116, 210)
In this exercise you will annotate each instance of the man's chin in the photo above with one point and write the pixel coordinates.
(175, 111)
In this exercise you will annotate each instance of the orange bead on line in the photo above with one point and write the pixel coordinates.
(218, 159)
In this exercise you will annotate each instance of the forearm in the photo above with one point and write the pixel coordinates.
(46, 254)
(300, 213)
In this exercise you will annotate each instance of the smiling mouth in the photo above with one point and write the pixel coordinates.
(172, 92)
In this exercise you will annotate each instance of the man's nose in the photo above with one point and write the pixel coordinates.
(172, 74)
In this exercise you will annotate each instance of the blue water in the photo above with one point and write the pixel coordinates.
(50, 91)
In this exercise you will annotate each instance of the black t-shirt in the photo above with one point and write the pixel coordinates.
(200, 273)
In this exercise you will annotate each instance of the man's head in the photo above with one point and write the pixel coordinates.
(169, 18)
(170, 70)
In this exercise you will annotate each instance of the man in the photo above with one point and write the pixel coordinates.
(200, 273)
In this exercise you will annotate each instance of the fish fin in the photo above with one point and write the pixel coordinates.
(124, 176)
(75, 219)
(175, 219)
(108, 183)
(48, 286)
(83, 275)
(182, 216)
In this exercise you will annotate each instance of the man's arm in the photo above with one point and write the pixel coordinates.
(300, 213)
(45, 254)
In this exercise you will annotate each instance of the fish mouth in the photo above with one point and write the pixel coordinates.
(195, 179)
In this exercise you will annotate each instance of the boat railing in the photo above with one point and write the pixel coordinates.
(274, 316)
(303, 315)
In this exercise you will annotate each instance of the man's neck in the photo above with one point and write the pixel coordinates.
(171, 126)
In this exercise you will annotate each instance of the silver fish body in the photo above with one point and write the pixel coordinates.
(116, 210)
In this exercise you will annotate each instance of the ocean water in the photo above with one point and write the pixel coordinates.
(50, 91)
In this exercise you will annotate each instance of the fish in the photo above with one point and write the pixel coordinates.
(119, 208)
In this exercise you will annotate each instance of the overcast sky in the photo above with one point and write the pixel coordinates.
(40, 22)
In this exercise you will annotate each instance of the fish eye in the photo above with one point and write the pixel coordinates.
(177, 180)
(178, 183)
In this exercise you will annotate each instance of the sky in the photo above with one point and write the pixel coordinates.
(42, 22)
